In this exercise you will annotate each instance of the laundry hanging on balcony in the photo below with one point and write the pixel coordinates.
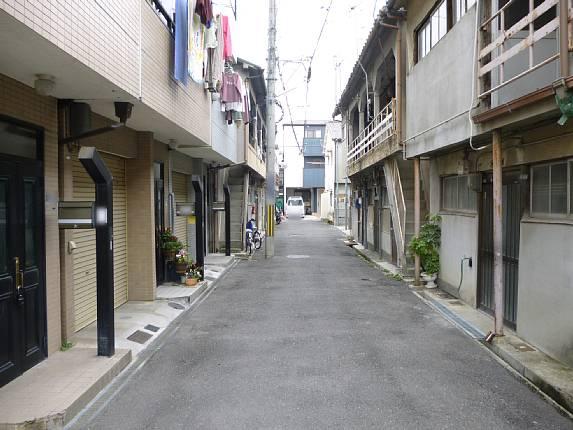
(204, 8)
(196, 49)
(215, 61)
(232, 95)
(181, 40)
(227, 46)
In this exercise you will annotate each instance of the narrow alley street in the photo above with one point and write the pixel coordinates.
(316, 338)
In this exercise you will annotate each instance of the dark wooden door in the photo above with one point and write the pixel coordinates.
(512, 204)
(22, 291)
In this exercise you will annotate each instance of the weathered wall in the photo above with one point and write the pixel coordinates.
(459, 239)
(545, 297)
(439, 87)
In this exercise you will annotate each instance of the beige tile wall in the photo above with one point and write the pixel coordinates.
(21, 102)
(125, 42)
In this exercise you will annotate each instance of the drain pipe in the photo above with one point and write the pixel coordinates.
(367, 103)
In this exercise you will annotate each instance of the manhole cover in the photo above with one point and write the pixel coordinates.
(295, 256)
(152, 328)
(176, 306)
(139, 337)
(522, 347)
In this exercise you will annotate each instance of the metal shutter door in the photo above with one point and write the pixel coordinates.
(180, 191)
(84, 263)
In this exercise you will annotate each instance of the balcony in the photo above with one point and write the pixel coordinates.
(375, 142)
(520, 51)
(312, 147)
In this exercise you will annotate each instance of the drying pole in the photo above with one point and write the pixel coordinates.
(497, 234)
(271, 132)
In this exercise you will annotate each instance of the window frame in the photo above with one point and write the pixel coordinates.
(550, 215)
(471, 192)
(451, 20)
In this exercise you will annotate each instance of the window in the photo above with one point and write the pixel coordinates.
(552, 189)
(457, 194)
(433, 29)
(439, 22)
(461, 7)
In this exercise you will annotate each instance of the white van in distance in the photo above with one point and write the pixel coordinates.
(295, 207)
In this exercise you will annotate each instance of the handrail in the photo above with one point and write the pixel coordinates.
(159, 8)
(379, 130)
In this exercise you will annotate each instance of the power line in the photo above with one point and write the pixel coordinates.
(288, 106)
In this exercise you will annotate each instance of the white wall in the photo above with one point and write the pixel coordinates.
(293, 157)
(545, 295)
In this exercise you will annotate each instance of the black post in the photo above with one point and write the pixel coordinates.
(198, 187)
(100, 174)
(227, 193)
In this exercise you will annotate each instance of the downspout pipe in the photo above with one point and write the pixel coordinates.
(367, 103)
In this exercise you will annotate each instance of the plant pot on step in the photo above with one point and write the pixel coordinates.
(180, 268)
(191, 282)
(430, 279)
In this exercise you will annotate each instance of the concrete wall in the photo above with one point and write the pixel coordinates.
(224, 137)
(459, 239)
(545, 298)
(439, 87)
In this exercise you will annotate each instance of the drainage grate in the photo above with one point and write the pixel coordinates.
(460, 322)
(139, 336)
(152, 328)
(176, 306)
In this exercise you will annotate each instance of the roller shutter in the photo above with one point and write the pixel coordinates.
(180, 190)
(84, 256)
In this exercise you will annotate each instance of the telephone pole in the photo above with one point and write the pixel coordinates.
(271, 131)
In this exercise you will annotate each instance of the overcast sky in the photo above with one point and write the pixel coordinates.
(298, 27)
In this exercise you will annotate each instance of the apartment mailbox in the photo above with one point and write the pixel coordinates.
(218, 206)
(76, 215)
(184, 209)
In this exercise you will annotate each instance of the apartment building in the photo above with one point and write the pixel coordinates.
(372, 108)
(102, 75)
(485, 86)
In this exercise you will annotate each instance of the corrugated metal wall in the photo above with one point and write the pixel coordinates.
(84, 256)
(180, 190)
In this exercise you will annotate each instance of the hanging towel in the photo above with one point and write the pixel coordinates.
(227, 47)
(196, 49)
(181, 40)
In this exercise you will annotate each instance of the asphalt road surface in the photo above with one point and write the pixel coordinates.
(317, 339)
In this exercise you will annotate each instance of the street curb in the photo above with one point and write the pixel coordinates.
(562, 401)
(116, 384)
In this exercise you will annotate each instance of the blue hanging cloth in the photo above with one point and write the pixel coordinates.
(181, 40)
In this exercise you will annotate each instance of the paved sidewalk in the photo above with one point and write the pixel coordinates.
(53, 392)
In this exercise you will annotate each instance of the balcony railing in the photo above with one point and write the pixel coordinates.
(377, 132)
(515, 46)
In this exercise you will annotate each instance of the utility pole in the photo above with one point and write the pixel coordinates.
(271, 132)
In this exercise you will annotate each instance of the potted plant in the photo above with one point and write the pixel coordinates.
(426, 245)
(181, 262)
(194, 274)
(170, 245)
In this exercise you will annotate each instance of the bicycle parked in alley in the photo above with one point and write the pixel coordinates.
(253, 237)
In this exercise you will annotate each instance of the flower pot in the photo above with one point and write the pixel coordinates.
(169, 255)
(429, 279)
(180, 268)
(191, 282)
